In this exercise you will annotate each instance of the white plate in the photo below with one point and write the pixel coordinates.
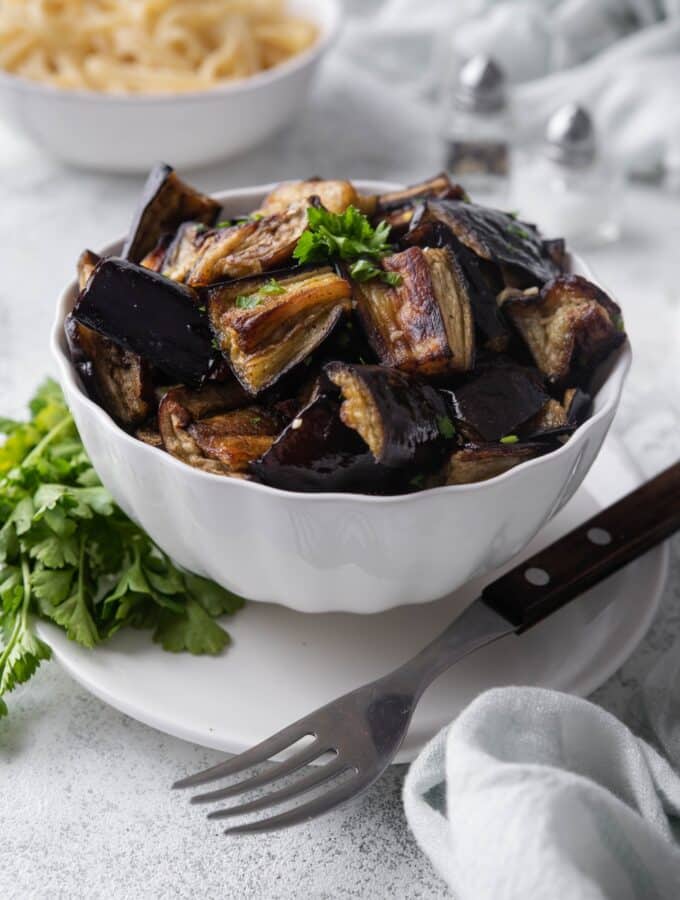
(283, 664)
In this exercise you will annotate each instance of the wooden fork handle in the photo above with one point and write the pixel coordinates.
(589, 553)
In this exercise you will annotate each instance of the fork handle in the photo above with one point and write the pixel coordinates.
(541, 585)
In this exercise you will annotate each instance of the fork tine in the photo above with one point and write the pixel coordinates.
(314, 779)
(297, 761)
(258, 754)
(316, 807)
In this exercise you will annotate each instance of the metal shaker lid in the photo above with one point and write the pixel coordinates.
(481, 85)
(570, 136)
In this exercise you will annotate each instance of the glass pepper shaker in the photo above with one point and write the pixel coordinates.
(567, 186)
(477, 130)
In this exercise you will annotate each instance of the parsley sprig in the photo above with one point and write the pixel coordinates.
(349, 237)
(69, 555)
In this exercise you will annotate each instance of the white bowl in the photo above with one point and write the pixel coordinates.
(330, 552)
(130, 133)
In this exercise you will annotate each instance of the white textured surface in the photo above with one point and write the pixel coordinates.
(85, 811)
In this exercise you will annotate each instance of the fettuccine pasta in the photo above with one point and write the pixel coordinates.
(147, 46)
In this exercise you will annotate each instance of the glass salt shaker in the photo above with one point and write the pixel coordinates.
(566, 186)
(477, 130)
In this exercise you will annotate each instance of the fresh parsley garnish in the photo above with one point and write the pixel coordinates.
(349, 237)
(250, 301)
(446, 427)
(69, 555)
(509, 439)
(365, 270)
(619, 324)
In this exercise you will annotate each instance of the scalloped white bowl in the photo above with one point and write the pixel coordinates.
(129, 133)
(331, 552)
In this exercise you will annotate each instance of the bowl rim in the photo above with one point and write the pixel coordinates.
(615, 380)
(328, 21)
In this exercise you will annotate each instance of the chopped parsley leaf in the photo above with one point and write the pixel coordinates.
(446, 427)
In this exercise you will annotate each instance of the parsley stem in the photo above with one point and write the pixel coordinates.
(21, 619)
(47, 439)
(26, 577)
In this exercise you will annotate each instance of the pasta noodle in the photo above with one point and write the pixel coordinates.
(147, 46)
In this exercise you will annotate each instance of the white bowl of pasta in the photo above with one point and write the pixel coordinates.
(118, 85)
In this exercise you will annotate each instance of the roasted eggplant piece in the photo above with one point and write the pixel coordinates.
(423, 324)
(183, 251)
(578, 406)
(318, 452)
(210, 430)
(493, 235)
(481, 462)
(149, 315)
(498, 399)
(484, 279)
(249, 248)
(266, 326)
(120, 381)
(569, 326)
(148, 433)
(155, 257)
(335, 196)
(166, 202)
(85, 266)
(398, 208)
(404, 421)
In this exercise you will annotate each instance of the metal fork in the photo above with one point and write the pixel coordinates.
(365, 728)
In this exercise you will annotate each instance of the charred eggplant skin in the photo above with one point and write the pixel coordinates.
(166, 202)
(492, 235)
(405, 421)
(150, 315)
(318, 452)
(497, 400)
(484, 277)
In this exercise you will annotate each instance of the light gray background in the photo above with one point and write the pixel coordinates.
(84, 807)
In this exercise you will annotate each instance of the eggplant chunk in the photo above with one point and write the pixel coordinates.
(249, 248)
(496, 401)
(569, 326)
(335, 196)
(437, 186)
(578, 406)
(398, 208)
(210, 430)
(266, 326)
(481, 462)
(166, 202)
(155, 257)
(404, 421)
(424, 324)
(149, 434)
(484, 279)
(86, 266)
(149, 315)
(493, 235)
(318, 452)
(183, 251)
(120, 381)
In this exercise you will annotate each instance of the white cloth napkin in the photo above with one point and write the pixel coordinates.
(535, 795)
(620, 58)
